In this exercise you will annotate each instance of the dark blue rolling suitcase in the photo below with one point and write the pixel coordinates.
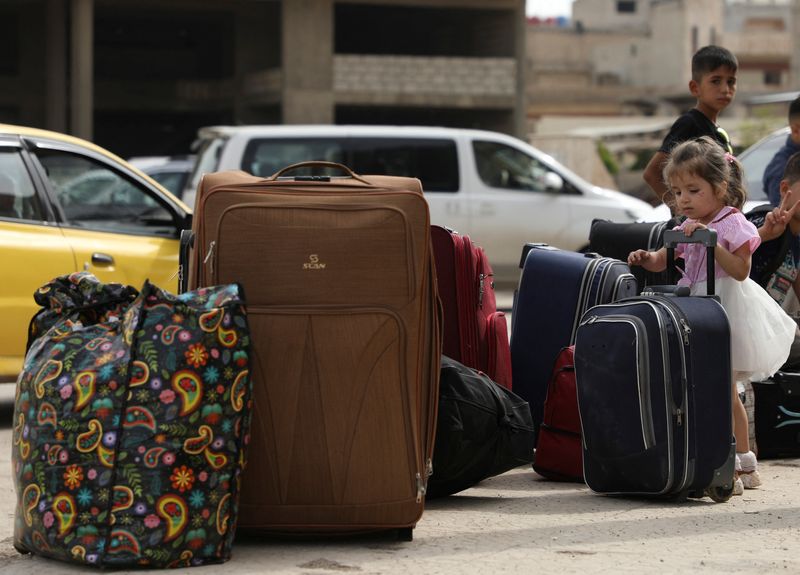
(654, 392)
(555, 288)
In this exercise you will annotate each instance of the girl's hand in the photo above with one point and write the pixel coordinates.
(690, 227)
(639, 257)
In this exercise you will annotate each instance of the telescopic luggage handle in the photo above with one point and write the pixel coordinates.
(707, 237)
(318, 164)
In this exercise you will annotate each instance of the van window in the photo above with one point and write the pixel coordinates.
(264, 157)
(501, 166)
(433, 161)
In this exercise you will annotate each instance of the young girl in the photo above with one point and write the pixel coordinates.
(706, 183)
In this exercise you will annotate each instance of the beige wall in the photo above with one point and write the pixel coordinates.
(603, 15)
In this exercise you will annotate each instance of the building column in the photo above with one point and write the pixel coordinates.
(307, 49)
(520, 47)
(82, 69)
(56, 66)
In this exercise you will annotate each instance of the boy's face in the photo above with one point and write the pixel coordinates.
(794, 127)
(790, 195)
(716, 89)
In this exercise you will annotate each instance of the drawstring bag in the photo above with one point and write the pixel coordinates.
(131, 419)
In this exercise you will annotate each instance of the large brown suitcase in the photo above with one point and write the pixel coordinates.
(338, 277)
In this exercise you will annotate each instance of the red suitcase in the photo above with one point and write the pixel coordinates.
(475, 333)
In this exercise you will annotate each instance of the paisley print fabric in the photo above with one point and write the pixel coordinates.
(131, 420)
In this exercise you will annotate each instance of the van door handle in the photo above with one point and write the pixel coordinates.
(487, 209)
(453, 208)
(102, 259)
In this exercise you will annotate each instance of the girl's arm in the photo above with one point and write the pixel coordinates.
(736, 264)
(651, 261)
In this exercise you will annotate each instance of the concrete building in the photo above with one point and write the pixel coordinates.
(140, 76)
(634, 56)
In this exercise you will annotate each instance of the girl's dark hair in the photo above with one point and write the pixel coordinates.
(705, 158)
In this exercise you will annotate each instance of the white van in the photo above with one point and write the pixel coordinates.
(495, 188)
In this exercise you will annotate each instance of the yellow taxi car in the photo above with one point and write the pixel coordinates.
(68, 205)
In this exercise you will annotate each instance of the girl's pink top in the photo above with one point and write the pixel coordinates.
(733, 231)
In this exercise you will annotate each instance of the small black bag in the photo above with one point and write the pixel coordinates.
(483, 430)
(617, 240)
(777, 415)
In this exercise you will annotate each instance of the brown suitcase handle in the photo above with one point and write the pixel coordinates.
(320, 164)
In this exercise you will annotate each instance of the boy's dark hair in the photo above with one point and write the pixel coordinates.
(791, 172)
(794, 110)
(709, 58)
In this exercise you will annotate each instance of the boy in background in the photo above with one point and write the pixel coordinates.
(774, 172)
(713, 83)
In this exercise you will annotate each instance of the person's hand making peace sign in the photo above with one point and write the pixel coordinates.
(776, 221)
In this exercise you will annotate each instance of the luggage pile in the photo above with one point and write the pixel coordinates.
(363, 323)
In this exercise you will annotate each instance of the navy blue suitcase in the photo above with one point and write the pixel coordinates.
(654, 392)
(555, 288)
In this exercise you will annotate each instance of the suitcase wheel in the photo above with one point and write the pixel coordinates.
(719, 493)
(21, 550)
(405, 534)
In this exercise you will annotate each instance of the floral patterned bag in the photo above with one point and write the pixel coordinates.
(131, 419)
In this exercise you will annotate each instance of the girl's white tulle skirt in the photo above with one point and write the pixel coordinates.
(761, 332)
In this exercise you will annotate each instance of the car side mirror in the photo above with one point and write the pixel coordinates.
(553, 182)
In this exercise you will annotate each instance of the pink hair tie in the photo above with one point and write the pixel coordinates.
(729, 157)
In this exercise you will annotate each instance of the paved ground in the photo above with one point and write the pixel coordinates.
(518, 523)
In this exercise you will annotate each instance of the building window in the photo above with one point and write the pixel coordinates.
(772, 78)
(626, 6)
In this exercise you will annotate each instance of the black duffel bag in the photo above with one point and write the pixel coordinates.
(483, 430)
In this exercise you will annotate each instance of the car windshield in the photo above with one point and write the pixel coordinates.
(173, 181)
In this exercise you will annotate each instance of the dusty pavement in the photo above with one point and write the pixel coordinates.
(519, 523)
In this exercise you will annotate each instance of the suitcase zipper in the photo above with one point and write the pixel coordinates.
(421, 488)
(682, 326)
(583, 297)
(209, 259)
